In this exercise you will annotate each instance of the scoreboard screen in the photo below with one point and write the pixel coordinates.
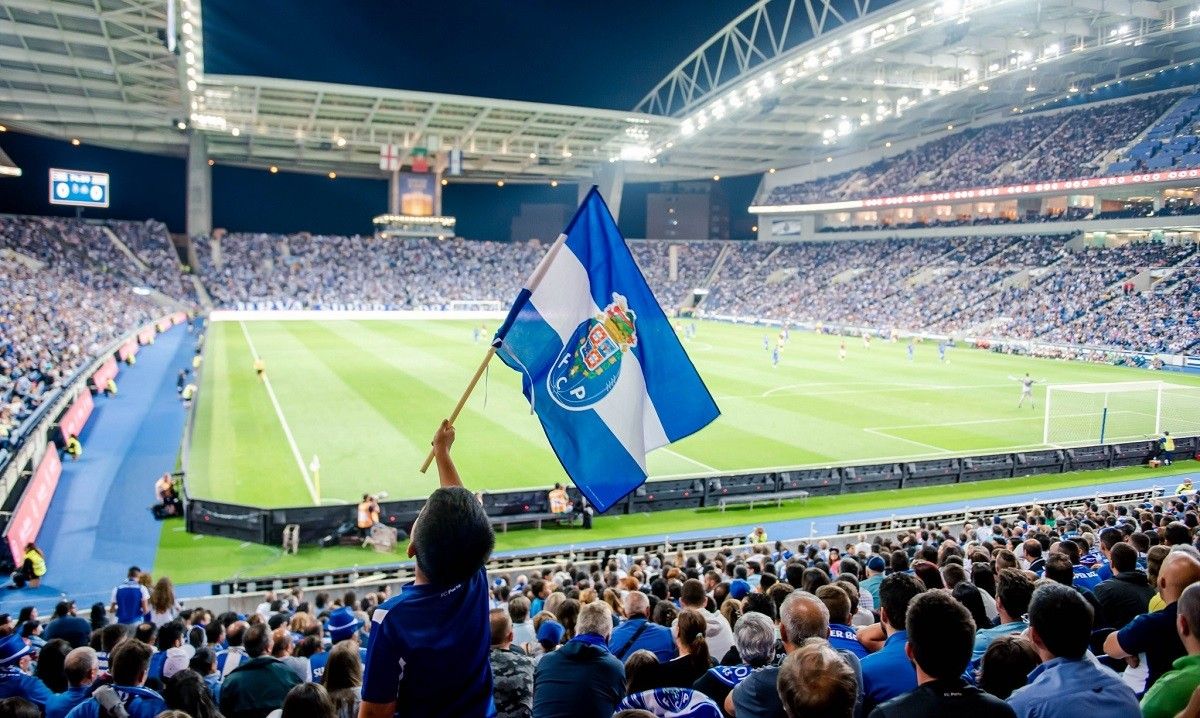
(79, 188)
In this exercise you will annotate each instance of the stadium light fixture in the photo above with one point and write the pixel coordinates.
(553, 183)
(333, 175)
(499, 183)
(191, 85)
(635, 153)
(983, 88)
(341, 141)
(829, 159)
(878, 81)
(887, 144)
(181, 125)
(187, 28)
(754, 228)
(687, 128)
(823, 77)
(533, 155)
(211, 162)
(235, 132)
(274, 169)
(770, 171)
(3, 128)
(1031, 87)
(716, 178)
(75, 141)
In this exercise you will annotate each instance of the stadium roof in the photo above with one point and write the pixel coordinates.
(784, 82)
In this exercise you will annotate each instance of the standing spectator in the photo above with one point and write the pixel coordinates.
(1154, 633)
(1006, 665)
(68, 626)
(130, 662)
(15, 681)
(1127, 593)
(441, 619)
(718, 634)
(130, 599)
(754, 638)
(163, 606)
(258, 686)
(1013, 591)
(81, 669)
(694, 659)
(1170, 694)
(888, 673)
(581, 679)
(343, 679)
(512, 670)
(637, 632)
(1068, 683)
(940, 638)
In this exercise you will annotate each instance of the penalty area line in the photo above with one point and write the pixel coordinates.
(688, 459)
(287, 430)
(886, 435)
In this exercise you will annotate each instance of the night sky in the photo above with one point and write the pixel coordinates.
(590, 54)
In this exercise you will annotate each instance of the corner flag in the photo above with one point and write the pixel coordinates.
(602, 367)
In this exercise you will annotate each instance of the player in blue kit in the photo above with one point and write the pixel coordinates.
(429, 646)
(912, 348)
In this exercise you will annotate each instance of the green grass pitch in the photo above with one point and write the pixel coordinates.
(366, 396)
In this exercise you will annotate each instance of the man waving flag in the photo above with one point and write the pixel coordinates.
(602, 366)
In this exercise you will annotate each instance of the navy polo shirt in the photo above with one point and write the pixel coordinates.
(887, 673)
(429, 651)
(1153, 634)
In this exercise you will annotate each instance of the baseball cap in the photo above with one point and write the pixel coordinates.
(551, 632)
(738, 588)
(342, 624)
(876, 563)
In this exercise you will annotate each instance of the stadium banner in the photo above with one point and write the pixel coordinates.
(178, 318)
(163, 324)
(108, 370)
(146, 335)
(308, 315)
(416, 194)
(27, 519)
(128, 349)
(76, 416)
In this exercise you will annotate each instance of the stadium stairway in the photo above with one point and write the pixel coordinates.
(99, 521)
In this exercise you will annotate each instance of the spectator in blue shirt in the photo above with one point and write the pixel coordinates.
(130, 599)
(754, 638)
(1013, 591)
(234, 654)
(15, 680)
(637, 632)
(875, 568)
(343, 626)
(130, 663)
(1109, 537)
(1070, 682)
(1085, 577)
(68, 626)
(430, 645)
(81, 669)
(842, 635)
(888, 673)
(1154, 634)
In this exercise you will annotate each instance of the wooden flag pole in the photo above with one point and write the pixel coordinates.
(491, 352)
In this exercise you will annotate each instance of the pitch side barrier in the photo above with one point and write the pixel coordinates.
(244, 594)
(698, 491)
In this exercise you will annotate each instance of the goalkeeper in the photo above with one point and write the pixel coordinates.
(1027, 383)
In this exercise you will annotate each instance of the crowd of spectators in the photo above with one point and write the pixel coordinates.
(1071, 144)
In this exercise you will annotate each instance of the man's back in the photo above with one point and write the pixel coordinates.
(72, 629)
(512, 682)
(638, 633)
(1063, 688)
(256, 688)
(757, 696)
(62, 703)
(1124, 597)
(439, 640)
(128, 597)
(139, 702)
(579, 680)
(944, 699)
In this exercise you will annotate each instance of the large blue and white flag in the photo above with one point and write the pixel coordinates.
(603, 369)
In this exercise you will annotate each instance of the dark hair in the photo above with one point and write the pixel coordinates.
(16, 707)
(51, 665)
(760, 603)
(664, 613)
(1062, 619)
(343, 668)
(1177, 533)
(941, 633)
(1071, 550)
(895, 593)
(112, 635)
(452, 536)
(983, 578)
(203, 661)
(146, 633)
(1006, 665)
(567, 613)
(128, 662)
(1123, 557)
(1013, 591)
(835, 599)
(256, 640)
(168, 633)
(929, 574)
(1058, 568)
(691, 627)
(813, 579)
(310, 700)
(693, 593)
(186, 691)
(793, 574)
(1110, 537)
(99, 616)
(972, 599)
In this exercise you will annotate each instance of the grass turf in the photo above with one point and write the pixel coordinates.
(366, 395)
(189, 558)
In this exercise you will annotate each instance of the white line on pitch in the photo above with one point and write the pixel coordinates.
(287, 430)
(1031, 417)
(688, 459)
(901, 438)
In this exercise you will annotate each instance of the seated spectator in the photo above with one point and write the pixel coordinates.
(68, 626)
(512, 670)
(581, 679)
(15, 680)
(204, 663)
(51, 660)
(518, 611)
(842, 635)
(343, 626)
(718, 634)
(1154, 634)
(307, 700)
(1127, 593)
(257, 687)
(1068, 682)
(560, 502)
(754, 638)
(1013, 591)
(815, 680)
(694, 659)
(888, 673)
(442, 616)
(81, 669)
(18, 708)
(941, 634)
(187, 692)
(234, 654)
(343, 680)
(129, 665)
(1170, 694)
(1006, 665)
(637, 632)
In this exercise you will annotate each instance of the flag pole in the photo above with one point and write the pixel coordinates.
(532, 284)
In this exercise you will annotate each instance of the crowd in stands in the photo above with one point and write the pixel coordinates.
(65, 293)
(1071, 144)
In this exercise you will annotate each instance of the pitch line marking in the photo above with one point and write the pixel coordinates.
(688, 459)
(287, 430)
(886, 435)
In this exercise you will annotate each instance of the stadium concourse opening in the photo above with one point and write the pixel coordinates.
(859, 302)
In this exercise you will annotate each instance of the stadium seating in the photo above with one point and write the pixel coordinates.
(1171, 143)
(1009, 152)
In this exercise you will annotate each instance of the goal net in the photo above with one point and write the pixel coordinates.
(1122, 411)
(476, 305)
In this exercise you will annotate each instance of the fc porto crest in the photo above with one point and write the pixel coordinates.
(590, 362)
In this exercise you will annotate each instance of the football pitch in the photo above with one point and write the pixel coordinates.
(366, 396)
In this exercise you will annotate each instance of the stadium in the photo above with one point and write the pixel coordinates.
(753, 358)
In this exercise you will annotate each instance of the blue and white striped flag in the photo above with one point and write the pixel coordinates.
(602, 367)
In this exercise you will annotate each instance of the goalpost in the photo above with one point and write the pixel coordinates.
(1119, 411)
(476, 305)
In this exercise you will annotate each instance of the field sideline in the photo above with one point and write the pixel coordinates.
(365, 396)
